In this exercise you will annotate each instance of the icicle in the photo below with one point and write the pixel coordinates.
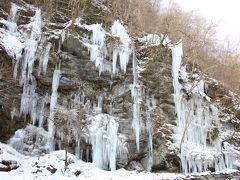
(12, 25)
(114, 63)
(99, 103)
(43, 103)
(98, 34)
(98, 50)
(136, 95)
(124, 48)
(29, 100)
(14, 113)
(31, 46)
(43, 62)
(53, 103)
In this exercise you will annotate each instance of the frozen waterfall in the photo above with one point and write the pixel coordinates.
(104, 139)
(12, 25)
(136, 96)
(123, 50)
(194, 121)
(53, 103)
(98, 48)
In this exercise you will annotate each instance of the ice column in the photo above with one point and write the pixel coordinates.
(43, 62)
(12, 25)
(30, 100)
(104, 139)
(136, 96)
(176, 64)
(53, 103)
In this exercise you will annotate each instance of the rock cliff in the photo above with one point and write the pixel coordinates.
(137, 106)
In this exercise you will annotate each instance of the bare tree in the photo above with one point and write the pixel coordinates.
(69, 122)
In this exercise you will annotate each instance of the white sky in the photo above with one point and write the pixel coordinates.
(226, 12)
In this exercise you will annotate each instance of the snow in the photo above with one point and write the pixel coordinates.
(151, 39)
(36, 168)
(12, 44)
(155, 40)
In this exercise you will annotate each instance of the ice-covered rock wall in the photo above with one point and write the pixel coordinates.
(33, 46)
(198, 132)
(115, 94)
(88, 68)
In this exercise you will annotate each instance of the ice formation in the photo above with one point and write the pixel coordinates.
(29, 100)
(43, 62)
(98, 48)
(194, 121)
(31, 140)
(123, 50)
(53, 103)
(104, 140)
(30, 49)
(99, 106)
(12, 25)
(136, 96)
(24, 46)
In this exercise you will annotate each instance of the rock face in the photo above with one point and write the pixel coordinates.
(79, 74)
(9, 99)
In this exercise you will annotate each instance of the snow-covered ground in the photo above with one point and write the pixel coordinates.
(36, 168)
(31, 168)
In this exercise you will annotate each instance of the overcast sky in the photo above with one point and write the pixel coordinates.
(226, 12)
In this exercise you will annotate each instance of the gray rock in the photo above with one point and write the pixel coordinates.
(8, 165)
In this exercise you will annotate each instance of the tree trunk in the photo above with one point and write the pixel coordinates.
(65, 148)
